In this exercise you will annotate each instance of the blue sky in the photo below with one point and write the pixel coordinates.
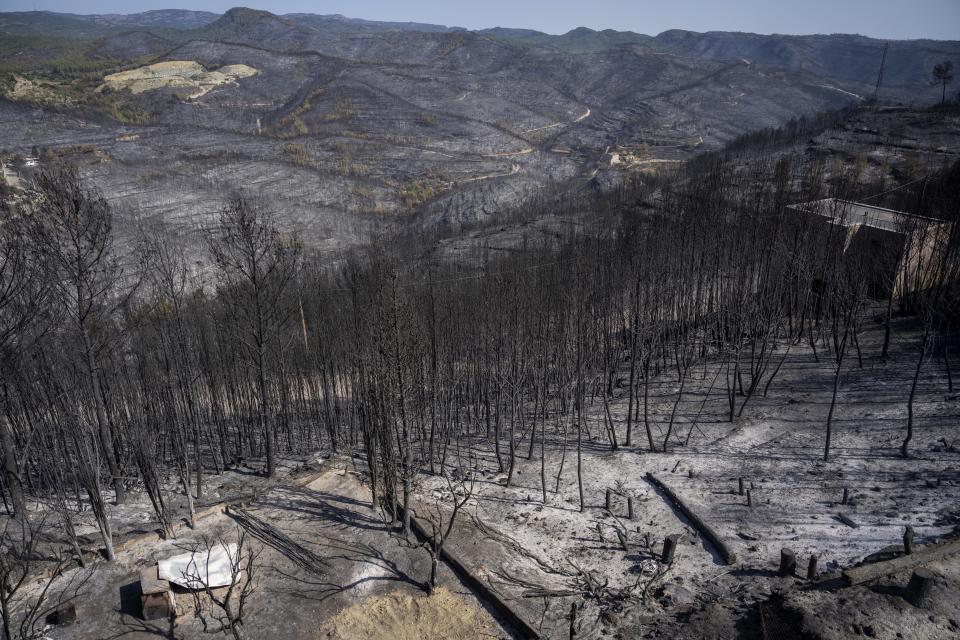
(939, 19)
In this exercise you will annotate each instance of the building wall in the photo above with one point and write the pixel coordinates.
(895, 261)
(878, 253)
(926, 248)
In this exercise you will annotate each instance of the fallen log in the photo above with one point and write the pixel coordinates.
(485, 591)
(867, 572)
(274, 537)
(729, 557)
(845, 519)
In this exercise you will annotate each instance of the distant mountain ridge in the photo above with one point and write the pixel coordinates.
(845, 57)
(343, 23)
(48, 23)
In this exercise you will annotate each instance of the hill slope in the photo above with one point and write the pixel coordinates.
(349, 127)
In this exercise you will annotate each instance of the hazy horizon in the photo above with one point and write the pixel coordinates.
(882, 19)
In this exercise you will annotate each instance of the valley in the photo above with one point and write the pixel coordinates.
(378, 128)
(320, 327)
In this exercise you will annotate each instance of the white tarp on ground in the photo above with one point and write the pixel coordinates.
(195, 569)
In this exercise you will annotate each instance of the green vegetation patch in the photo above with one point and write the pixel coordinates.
(62, 72)
(300, 156)
(419, 190)
(55, 57)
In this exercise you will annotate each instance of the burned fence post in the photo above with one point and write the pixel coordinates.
(623, 540)
(670, 548)
(788, 562)
(846, 496)
(812, 568)
(908, 541)
(573, 620)
(629, 507)
(740, 486)
(749, 499)
(608, 500)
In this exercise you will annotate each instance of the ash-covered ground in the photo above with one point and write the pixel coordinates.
(539, 557)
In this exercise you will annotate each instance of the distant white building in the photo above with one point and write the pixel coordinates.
(900, 249)
(10, 177)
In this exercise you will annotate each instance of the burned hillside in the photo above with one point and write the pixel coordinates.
(313, 327)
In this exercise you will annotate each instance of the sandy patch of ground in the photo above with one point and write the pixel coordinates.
(188, 75)
(366, 583)
(26, 90)
(406, 616)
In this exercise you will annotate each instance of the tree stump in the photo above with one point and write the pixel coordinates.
(670, 548)
(573, 620)
(919, 588)
(600, 533)
(740, 486)
(812, 568)
(749, 499)
(788, 562)
(908, 541)
(846, 496)
(629, 508)
(608, 500)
